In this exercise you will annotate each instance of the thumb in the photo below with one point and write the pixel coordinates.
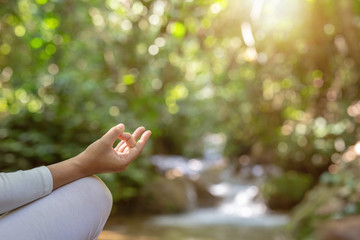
(114, 133)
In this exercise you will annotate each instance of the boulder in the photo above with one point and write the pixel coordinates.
(166, 196)
(204, 197)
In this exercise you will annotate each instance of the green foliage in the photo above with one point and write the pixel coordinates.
(336, 196)
(285, 191)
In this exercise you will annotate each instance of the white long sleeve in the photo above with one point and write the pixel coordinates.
(21, 187)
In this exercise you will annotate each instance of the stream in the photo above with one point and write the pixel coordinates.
(239, 215)
(236, 217)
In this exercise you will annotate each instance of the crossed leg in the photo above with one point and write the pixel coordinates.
(76, 211)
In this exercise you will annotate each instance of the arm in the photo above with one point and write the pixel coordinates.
(22, 187)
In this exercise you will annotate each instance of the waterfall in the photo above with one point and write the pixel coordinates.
(239, 206)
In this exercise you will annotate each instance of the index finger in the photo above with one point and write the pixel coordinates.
(136, 134)
(135, 152)
(128, 138)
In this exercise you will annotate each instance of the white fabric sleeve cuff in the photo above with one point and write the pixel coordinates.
(21, 187)
(47, 179)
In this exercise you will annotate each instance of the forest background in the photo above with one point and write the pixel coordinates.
(279, 79)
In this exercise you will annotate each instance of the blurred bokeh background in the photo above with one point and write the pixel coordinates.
(253, 104)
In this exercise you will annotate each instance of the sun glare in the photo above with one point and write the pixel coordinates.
(279, 14)
(268, 17)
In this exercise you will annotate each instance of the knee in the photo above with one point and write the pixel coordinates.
(87, 194)
(98, 192)
(104, 192)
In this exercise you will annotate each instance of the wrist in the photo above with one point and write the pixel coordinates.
(67, 171)
(79, 163)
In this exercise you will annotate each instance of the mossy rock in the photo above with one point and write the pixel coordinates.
(284, 192)
(166, 196)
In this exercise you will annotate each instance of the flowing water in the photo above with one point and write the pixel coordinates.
(239, 215)
(237, 209)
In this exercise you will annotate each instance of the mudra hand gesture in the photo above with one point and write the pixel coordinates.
(101, 156)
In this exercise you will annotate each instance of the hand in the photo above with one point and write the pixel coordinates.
(101, 157)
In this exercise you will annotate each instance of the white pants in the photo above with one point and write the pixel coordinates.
(76, 211)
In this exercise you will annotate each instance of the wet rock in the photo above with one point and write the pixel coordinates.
(196, 176)
(210, 176)
(176, 195)
(166, 196)
(204, 197)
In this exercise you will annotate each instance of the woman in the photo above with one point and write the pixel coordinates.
(63, 200)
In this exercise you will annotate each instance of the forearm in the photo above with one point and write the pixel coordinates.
(67, 171)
